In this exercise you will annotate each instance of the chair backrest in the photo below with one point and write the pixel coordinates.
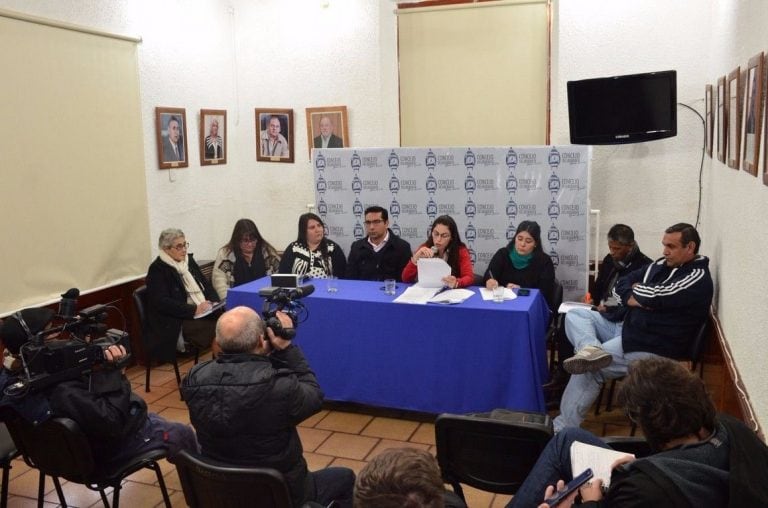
(140, 304)
(699, 342)
(490, 454)
(207, 483)
(57, 447)
(556, 297)
(7, 447)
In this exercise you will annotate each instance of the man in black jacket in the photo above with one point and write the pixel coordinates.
(381, 255)
(698, 458)
(246, 403)
(112, 417)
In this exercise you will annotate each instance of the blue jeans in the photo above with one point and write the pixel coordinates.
(553, 464)
(584, 328)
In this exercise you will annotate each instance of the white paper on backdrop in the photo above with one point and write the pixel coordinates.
(432, 271)
(487, 190)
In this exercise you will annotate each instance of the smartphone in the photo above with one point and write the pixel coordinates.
(569, 488)
(523, 292)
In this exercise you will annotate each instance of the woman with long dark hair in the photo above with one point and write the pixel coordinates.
(522, 263)
(312, 253)
(444, 242)
(246, 257)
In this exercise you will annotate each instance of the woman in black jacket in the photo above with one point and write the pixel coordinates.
(177, 294)
(522, 263)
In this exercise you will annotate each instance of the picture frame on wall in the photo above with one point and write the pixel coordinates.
(213, 137)
(754, 113)
(733, 96)
(709, 102)
(327, 127)
(274, 135)
(722, 119)
(171, 133)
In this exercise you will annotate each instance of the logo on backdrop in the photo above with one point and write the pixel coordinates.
(511, 209)
(355, 162)
(554, 158)
(553, 210)
(395, 228)
(394, 208)
(555, 257)
(320, 162)
(469, 159)
(511, 159)
(553, 184)
(393, 161)
(469, 184)
(553, 235)
(470, 208)
(470, 233)
(431, 184)
(431, 210)
(357, 184)
(511, 231)
(511, 184)
(472, 254)
(357, 208)
(358, 231)
(322, 208)
(394, 185)
(321, 185)
(430, 160)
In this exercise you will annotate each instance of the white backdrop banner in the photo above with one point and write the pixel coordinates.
(487, 190)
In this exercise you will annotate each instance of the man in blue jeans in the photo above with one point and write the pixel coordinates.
(699, 458)
(665, 304)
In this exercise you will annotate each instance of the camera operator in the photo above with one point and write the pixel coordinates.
(114, 419)
(246, 403)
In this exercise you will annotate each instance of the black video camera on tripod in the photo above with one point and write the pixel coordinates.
(281, 299)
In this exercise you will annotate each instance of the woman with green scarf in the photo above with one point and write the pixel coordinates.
(522, 263)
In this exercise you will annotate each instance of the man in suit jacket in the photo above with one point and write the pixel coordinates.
(327, 139)
(173, 146)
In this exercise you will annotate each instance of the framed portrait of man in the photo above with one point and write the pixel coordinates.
(722, 119)
(274, 135)
(213, 137)
(171, 129)
(327, 127)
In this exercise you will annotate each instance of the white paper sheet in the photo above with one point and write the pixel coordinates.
(487, 294)
(432, 271)
(599, 459)
(566, 306)
(417, 294)
(452, 296)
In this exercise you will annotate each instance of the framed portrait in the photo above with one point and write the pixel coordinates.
(274, 135)
(213, 137)
(327, 127)
(722, 119)
(733, 96)
(754, 113)
(171, 129)
(709, 117)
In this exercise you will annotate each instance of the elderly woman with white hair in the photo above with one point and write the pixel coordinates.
(177, 295)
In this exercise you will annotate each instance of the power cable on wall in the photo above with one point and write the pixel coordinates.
(701, 164)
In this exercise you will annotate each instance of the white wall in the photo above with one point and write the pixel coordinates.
(241, 54)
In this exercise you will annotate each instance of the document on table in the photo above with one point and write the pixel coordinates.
(432, 271)
(566, 306)
(585, 455)
(487, 294)
(417, 294)
(452, 296)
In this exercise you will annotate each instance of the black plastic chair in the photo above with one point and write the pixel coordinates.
(493, 454)
(140, 303)
(207, 483)
(8, 452)
(58, 448)
(555, 323)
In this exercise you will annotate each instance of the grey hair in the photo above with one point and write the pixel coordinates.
(168, 236)
(244, 338)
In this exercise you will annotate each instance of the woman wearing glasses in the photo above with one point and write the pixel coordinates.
(247, 256)
(177, 293)
(312, 253)
(522, 263)
(444, 242)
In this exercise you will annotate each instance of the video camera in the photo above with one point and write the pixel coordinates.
(80, 346)
(283, 299)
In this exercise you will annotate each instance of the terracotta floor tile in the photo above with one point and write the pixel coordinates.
(316, 461)
(173, 399)
(386, 444)
(354, 465)
(24, 502)
(138, 494)
(424, 434)
(156, 393)
(348, 446)
(25, 485)
(314, 419)
(161, 377)
(390, 428)
(340, 421)
(477, 498)
(177, 500)
(500, 501)
(78, 495)
(312, 438)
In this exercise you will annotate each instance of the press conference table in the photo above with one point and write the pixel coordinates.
(474, 356)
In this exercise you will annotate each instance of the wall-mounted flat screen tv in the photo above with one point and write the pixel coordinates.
(623, 109)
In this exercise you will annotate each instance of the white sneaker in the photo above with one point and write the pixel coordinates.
(589, 359)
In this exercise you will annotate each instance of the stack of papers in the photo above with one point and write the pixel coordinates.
(487, 294)
(566, 306)
(432, 271)
(423, 295)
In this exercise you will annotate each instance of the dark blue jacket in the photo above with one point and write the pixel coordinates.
(675, 304)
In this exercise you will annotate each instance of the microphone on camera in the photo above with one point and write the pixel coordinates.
(302, 291)
(434, 250)
(68, 303)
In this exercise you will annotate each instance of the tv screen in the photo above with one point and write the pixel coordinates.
(623, 109)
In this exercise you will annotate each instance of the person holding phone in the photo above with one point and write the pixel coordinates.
(698, 457)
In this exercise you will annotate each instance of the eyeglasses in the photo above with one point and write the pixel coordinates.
(248, 240)
(373, 222)
(444, 236)
(180, 246)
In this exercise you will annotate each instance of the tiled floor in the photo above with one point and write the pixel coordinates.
(340, 435)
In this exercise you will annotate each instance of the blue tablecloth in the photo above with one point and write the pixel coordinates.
(474, 356)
